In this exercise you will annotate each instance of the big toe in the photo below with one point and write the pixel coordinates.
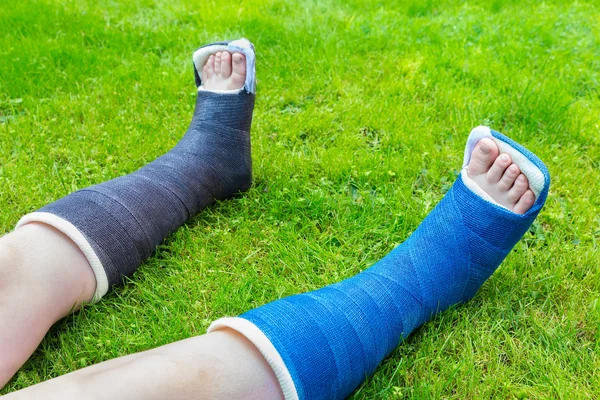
(483, 157)
(238, 75)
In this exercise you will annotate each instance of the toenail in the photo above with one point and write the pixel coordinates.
(522, 178)
(504, 157)
(484, 147)
(513, 168)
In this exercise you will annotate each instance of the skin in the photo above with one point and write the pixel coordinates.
(46, 277)
(218, 365)
(500, 177)
(224, 71)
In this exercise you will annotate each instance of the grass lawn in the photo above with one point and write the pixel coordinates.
(362, 112)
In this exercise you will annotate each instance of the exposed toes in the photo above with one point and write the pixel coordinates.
(218, 63)
(525, 202)
(499, 177)
(518, 189)
(508, 179)
(224, 71)
(226, 64)
(204, 72)
(483, 157)
(498, 168)
(210, 67)
(238, 75)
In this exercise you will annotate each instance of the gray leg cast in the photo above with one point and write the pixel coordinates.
(118, 224)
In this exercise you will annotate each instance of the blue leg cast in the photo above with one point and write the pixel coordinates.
(323, 344)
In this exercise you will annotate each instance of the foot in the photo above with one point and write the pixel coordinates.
(224, 71)
(499, 177)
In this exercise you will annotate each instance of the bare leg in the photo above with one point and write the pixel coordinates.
(43, 277)
(219, 365)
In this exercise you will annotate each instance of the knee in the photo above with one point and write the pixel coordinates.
(11, 257)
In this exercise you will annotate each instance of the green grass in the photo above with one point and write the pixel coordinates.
(361, 117)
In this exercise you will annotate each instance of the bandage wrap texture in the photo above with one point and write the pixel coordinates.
(332, 339)
(126, 218)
